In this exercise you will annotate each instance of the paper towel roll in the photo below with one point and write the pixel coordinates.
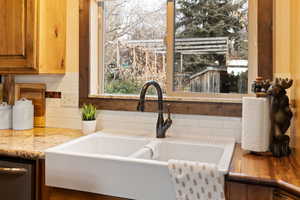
(256, 124)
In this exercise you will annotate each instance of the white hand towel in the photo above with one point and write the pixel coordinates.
(196, 181)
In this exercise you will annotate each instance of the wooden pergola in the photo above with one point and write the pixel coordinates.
(184, 46)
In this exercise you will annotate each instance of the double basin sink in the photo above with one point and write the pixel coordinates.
(127, 166)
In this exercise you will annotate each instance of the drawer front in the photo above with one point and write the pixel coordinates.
(16, 181)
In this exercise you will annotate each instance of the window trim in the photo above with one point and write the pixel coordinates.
(189, 105)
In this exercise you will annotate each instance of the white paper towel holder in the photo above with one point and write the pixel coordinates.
(256, 124)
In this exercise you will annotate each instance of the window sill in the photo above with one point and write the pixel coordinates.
(222, 99)
(226, 107)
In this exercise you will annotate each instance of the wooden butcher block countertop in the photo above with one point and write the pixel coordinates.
(283, 173)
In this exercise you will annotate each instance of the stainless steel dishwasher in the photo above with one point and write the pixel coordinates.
(16, 179)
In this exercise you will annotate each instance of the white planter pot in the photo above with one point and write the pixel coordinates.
(88, 126)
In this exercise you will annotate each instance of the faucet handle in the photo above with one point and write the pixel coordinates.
(169, 111)
(168, 122)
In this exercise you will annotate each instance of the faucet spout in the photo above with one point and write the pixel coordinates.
(162, 125)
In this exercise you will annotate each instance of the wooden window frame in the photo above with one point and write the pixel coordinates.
(230, 107)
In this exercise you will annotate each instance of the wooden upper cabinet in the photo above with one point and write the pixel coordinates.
(52, 36)
(17, 35)
(12, 40)
(32, 36)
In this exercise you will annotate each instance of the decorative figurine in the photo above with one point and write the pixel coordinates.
(260, 87)
(280, 112)
(281, 116)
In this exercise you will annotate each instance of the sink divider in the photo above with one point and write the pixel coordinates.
(149, 151)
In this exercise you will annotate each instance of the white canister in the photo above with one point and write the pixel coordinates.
(5, 116)
(23, 112)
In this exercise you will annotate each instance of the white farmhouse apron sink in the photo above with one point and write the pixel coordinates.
(122, 166)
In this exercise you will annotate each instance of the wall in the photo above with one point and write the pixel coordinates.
(65, 113)
(282, 27)
(281, 39)
(287, 53)
(295, 62)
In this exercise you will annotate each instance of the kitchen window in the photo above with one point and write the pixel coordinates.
(193, 48)
(189, 47)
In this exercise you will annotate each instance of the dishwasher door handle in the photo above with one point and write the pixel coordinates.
(13, 171)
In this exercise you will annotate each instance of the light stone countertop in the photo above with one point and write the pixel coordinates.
(31, 144)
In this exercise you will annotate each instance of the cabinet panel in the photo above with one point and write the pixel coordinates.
(17, 38)
(33, 39)
(52, 36)
(50, 193)
(256, 192)
(236, 191)
(240, 191)
(12, 32)
(62, 194)
(16, 181)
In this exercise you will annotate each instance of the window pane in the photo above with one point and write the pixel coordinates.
(134, 49)
(211, 46)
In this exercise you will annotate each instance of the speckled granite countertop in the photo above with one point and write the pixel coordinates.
(31, 144)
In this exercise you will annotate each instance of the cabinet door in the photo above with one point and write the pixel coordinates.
(17, 36)
(16, 181)
(52, 35)
(240, 191)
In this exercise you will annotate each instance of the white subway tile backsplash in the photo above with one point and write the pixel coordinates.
(69, 100)
(183, 125)
(52, 82)
(199, 123)
(63, 122)
(53, 103)
(234, 122)
(144, 123)
(60, 83)
(70, 83)
(63, 113)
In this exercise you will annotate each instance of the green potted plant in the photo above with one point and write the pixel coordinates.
(89, 118)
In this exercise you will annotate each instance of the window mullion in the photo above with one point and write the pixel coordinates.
(170, 46)
(94, 48)
(101, 47)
